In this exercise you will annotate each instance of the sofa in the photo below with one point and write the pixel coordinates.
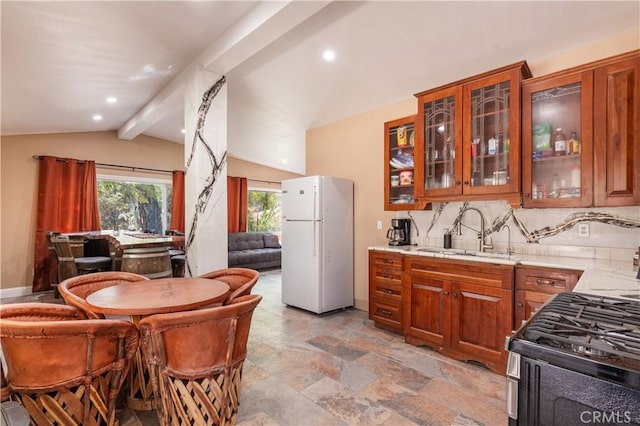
(254, 250)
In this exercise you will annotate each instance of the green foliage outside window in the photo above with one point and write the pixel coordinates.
(133, 206)
(264, 213)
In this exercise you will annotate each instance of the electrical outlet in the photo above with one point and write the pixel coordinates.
(583, 229)
(379, 224)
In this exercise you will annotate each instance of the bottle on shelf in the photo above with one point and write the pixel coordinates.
(560, 143)
(493, 146)
(573, 147)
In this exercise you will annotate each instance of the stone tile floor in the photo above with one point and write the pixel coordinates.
(338, 369)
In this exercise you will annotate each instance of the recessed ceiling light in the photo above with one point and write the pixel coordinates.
(97, 117)
(328, 55)
(183, 131)
(111, 100)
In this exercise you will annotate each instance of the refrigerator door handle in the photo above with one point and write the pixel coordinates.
(315, 238)
(315, 221)
(315, 201)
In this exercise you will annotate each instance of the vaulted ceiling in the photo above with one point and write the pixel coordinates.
(61, 60)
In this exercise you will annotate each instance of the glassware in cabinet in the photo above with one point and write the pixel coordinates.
(492, 117)
(439, 169)
(468, 140)
(399, 163)
(557, 141)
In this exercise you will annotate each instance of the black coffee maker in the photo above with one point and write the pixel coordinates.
(400, 232)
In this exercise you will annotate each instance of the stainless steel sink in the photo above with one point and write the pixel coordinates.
(463, 252)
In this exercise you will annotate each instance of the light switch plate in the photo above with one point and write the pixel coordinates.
(379, 224)
(583, 229)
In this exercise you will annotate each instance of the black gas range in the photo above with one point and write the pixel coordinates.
(576, 361)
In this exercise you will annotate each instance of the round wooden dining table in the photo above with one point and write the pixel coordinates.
(138, 299)
(158, 296)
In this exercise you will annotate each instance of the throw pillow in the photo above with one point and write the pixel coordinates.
(271, 241)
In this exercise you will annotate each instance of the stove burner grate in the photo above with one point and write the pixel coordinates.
(590, 326)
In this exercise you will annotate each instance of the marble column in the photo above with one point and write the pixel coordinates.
(205, 172)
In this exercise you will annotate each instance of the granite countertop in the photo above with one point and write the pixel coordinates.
(603, 277)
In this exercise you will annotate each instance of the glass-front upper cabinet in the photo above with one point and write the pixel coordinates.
(468, 138)
(399, 149)
(492, 122)
(557, 141)
(439, 143)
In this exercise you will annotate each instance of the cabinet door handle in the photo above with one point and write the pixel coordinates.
(457, 183)
(446, 293)
(520, 305)
(455, 294)
(549, 283)
(527, 195)
(466, 182)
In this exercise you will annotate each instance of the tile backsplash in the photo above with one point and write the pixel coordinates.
(604, 240)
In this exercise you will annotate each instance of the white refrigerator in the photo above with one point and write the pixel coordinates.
(317, 243)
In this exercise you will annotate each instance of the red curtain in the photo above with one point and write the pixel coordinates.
(236, 204)
(67, 202)
(177, 202)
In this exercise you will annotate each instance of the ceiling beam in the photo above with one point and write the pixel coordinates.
(264, 24)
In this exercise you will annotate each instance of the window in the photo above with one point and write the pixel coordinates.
(134, 204)
(265, 211)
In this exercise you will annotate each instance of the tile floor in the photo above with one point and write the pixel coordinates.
(338, 369)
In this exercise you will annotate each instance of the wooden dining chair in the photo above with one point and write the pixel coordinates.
(63, 369)
(240, 280)
(52, 249)
(75, 290)
(70, 265)
(196, 359)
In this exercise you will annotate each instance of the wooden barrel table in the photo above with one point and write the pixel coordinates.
(152, 262)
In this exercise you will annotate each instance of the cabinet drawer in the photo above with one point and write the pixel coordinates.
(546, 280)
(389, 276)
(386, 312)
(388, 290)
(386, 261)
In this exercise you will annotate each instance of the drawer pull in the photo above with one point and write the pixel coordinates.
(389, 277)
(387, 261)
(386, 313)
(387, 291)
(549, 283)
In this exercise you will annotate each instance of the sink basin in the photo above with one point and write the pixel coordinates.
(462, 252)
(631, 296)
(442, 251)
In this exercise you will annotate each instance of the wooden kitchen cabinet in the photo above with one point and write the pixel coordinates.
(462, 309)
(535, 285)
(580, 142)
(385, 290)
(399, 145)
(617, 131)
(468, 138)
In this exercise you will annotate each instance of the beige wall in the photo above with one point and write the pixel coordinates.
(19, 183)
(353, 148)
(19, 171)
(258, 174)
